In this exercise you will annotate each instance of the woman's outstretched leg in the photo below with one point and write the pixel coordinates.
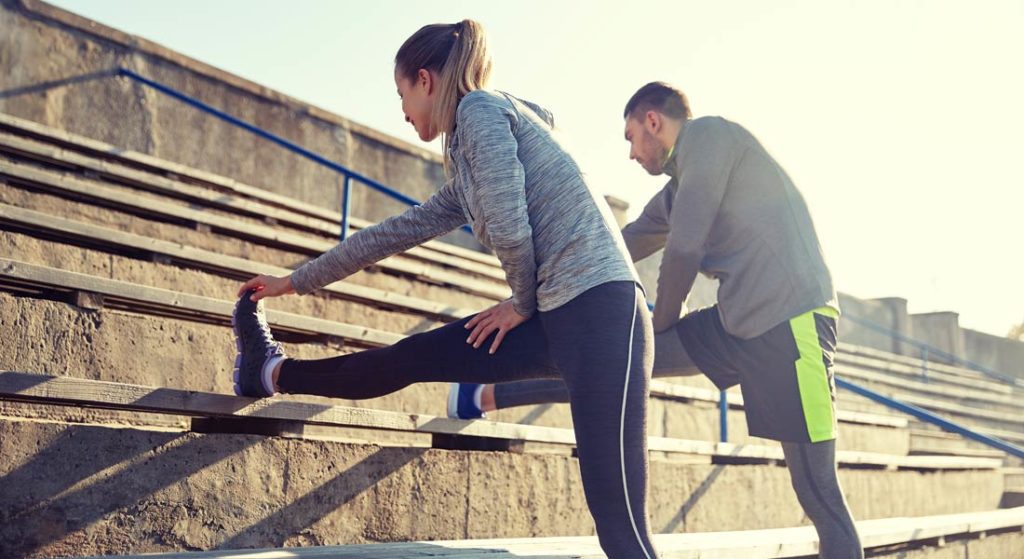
(440, 355)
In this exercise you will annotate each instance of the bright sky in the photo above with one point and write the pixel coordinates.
(900, 121)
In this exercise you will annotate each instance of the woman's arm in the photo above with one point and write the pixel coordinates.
(485, 128)
(440, 214)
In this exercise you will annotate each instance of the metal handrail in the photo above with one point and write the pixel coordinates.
(349, 174)
(929, 350)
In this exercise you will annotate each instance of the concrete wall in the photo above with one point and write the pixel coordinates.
(995, 352)
(875, 311)
(55, 67)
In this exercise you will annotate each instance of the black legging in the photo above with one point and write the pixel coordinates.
(600, 344)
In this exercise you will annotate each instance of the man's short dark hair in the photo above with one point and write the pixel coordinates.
(660, 97)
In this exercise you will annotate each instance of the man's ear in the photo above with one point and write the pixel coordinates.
(652, 121)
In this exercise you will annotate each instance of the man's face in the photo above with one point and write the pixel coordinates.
(644, 147)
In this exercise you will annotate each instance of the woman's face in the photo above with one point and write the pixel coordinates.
(418, 102)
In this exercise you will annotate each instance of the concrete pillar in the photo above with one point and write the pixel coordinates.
(941, 330)
(900, 323)
(619, 209)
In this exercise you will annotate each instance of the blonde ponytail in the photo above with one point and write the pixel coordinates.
(458, 54)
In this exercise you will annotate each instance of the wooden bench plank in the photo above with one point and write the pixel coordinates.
(178, 190)
(850, 371)
(31, 387)
(209, 260)
(131, 293)
(937, 371)
(172, 301)
(314, 247)
(37, 220)
(915, 374)
(751, 544)
(212, 181)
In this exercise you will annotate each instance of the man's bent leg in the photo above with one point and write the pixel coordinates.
(670, 360)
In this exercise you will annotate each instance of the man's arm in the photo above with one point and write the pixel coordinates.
(646, 235)
(709, 154)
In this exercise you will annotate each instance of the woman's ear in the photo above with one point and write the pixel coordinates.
(425, 80)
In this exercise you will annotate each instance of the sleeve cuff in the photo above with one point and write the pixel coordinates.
(525, 311)
(300, 281)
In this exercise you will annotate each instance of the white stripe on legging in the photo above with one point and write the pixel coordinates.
(622, 432)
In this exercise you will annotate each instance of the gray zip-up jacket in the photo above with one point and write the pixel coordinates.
(731, 212)
(523, 195)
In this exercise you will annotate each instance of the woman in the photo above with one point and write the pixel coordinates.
(575, 314)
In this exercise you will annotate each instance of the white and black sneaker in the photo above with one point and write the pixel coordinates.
(258, 353)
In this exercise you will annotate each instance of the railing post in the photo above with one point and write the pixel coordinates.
(346, 204)
(723, 417)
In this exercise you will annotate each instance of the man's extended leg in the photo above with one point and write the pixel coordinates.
(670, 360)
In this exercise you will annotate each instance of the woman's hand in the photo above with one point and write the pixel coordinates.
(501, 318)
(267, 286)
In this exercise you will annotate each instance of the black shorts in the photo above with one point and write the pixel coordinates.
(785, 374)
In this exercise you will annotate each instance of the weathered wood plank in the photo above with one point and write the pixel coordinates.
(15, 385)
(148, 205)
(62, 280)
(131, 159)
(179, 190)
(210, 260)
(751, 544)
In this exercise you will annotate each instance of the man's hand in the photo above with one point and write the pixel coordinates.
(267, 286)
(501, 318)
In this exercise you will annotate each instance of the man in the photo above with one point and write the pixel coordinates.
(731, 212)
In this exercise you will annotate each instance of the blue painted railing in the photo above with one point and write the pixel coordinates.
(723, 404)
(348, 174)
(927, 416)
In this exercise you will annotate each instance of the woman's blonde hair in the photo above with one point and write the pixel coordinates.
(457, 53)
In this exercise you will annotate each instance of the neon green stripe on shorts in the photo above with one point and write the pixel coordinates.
(812, 379)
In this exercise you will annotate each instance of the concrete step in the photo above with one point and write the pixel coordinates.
(350, 303)
(40, 143)
(121, 488)
(695, 422)
(1014, 478)
(931, 371)
(993, 534)
(938, 442)
(36, 188)
(204, 346)
(408, 331)
(51, 232)
(284, 221)
(148, 349)
(867, 376)
(947, 406)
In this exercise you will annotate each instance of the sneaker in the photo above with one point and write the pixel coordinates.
(256, 348)
(462, 401)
